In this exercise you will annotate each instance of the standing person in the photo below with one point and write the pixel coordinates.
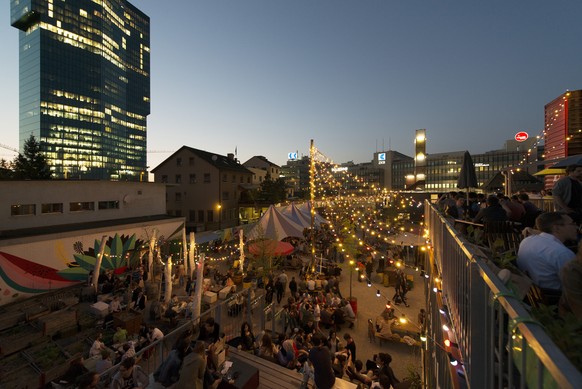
(320, 357)
(293, 286)
(193, 368)
(567, 193)
(284, 280)
(269, 290)
(350, 346)
(279, 290)
(168, 373)
(130, 376)
(386, 370)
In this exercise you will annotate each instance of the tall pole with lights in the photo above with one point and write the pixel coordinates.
(312, 198)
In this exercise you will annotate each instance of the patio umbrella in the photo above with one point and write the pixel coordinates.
(270, 247)
(550, 171)
(467, 179)
(571, 160)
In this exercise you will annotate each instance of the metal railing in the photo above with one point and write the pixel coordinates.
(500, 344)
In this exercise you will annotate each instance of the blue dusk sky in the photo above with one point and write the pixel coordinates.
(357, 76)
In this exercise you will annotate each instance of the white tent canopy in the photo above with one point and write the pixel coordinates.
(305, 208)
(292, 212)
(276, 226)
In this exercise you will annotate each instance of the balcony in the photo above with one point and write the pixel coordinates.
(493, 341)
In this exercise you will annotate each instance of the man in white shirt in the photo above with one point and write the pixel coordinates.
(155, 334)
(542, 256)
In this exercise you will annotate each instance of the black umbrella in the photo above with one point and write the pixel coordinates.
(467, 179)
(571, 160)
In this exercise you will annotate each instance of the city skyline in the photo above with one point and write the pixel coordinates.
(264, 78)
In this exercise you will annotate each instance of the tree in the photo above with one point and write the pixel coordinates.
(273, 192)
(5, 169)
(32, 165)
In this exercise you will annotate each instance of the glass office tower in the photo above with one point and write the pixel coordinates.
(85, 85)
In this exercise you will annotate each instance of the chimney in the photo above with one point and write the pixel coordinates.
(230, 156)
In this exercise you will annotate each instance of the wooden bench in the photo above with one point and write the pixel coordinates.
(274, 376)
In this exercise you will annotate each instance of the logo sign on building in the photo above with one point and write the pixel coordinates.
(521, 136)
(381, 158)
(292, 156)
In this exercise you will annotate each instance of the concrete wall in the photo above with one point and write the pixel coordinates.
(134, 199)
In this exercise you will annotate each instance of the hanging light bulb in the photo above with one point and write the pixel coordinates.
(447, 343)
(423, 337)
(369, 283)
(388, 305)
(452, 359)
(403, 319)
(378, 293)
(446, 327)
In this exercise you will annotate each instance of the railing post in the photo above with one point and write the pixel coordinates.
(478, 369)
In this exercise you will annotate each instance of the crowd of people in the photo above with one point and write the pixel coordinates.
(550, 253)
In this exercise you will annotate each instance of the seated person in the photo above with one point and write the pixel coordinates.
(286, 354)
(349, 315)
(356, 372)
(128, 350)
(104, 363)
(115, 305)
(120, 335)
(542, 256)
(325, 317)
(247, 339)
(171, 314)
(494, 212)
(97, 346)
(384, 329)
(338, 317)
(209, 331)
(154, 334)
(311, 284)
(267, 349)
(340, 364)
(302, 349)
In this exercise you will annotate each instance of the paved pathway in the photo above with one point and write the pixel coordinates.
(404, 357)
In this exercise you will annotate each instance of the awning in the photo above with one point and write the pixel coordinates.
(550, 171)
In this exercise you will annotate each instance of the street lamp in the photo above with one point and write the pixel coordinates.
(219, 216)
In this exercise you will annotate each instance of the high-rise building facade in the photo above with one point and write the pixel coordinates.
(85, 85)
(563, 126)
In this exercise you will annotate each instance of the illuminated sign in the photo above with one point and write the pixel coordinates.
(381, 157)
(521, 136)
(339, 169)
(292, 156)
(481, 164)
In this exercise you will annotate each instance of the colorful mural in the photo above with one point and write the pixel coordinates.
(30, 268)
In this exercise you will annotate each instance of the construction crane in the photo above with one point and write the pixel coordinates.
(9, 148)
